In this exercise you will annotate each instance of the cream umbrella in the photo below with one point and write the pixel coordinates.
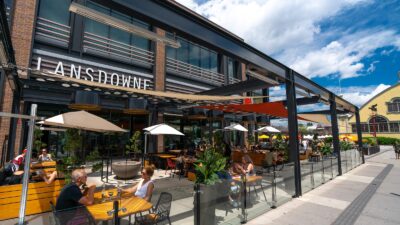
(82, 120)
(159, 129)
(237, 127)
(268, 129)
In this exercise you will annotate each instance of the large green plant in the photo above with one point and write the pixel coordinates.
(345, 145)
(134, 144)
(73, 142)
(281, 145)
(37, 143)
(209, 164)
(218, 138)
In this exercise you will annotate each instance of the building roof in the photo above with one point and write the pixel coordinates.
(381, 93)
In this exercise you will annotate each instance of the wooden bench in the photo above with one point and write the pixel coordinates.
(38, 199)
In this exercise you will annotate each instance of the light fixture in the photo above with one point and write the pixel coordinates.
(117, 93)
(87, 89)
(120, 24)
(50, 79)
(65, 85)
(107, 93)
(97, 89)
(262, 77)
(40, 79)
(75, 85)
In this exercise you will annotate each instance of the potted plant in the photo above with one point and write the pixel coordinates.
(37, 143)
(131, 168)
(210, 163)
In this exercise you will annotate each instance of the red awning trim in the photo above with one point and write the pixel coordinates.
(276, 109)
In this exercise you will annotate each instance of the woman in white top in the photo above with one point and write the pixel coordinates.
(144, 189)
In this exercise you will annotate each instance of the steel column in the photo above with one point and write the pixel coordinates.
(293, 129)
(25, 180)
(335, 132)
(359, 134)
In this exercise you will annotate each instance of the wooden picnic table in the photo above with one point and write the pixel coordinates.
(43, 164)
(132, 204)
(165, 156)
(175, 151)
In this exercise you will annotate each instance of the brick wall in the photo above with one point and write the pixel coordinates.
(21, 31)
(21, 36)
(5, 107)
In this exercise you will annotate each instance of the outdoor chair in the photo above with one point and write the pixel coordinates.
(75, 216)
(159, 213)
(172, 166)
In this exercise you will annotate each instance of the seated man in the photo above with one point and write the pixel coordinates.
(44, 156)
(71, 195)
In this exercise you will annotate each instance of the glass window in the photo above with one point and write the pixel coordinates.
(138, 41)
(55, 10)
(194, 55)
(94, 27)
(394, 127)
(230, 67)
(183, 51)
(205, 58)
(118, 34)
(214, 62)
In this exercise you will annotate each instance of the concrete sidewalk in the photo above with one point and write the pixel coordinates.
(369, 194)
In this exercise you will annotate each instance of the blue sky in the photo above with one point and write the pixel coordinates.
(352, 42)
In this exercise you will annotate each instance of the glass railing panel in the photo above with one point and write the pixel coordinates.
(317, 172)
(221, 203)
(284, 183)
(182, 191)
(334, 166)
(343, 157)
(260, 193)
(326, 169)
(307, 176)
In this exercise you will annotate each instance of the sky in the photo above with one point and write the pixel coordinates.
(351, 47)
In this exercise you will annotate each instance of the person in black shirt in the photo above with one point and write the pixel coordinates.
(71, 195)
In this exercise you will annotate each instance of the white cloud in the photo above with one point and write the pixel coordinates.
(372, 67)
(359, 95)
(271, 25)
(343, 57)
(291, 32)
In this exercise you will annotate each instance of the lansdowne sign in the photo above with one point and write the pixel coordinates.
(96, 75)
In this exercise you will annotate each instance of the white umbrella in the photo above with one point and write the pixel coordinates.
(308, 137)
(268, 129)
(158, 130)
(162, 129)
(236, 126)
(82, 120)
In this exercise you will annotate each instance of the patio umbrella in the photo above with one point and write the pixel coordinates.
(263, 136)
(159, 129)
(82, 120)
(268, 129)
(237, 127)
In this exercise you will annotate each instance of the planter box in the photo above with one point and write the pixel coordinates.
(126, 170)
(371, 150)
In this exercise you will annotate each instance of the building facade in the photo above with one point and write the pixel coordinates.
(142, 45)
(49, 38)
(381, 114)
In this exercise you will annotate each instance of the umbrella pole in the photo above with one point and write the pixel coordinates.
(27, 167)
(145, 148)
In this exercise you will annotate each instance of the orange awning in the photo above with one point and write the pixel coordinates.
(276, 109)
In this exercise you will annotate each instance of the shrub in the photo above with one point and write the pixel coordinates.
(381, 140)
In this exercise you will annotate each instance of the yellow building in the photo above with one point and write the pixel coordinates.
(381, 114)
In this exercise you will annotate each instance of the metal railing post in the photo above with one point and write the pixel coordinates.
(21, 219)
(312, 176)
(273, 206)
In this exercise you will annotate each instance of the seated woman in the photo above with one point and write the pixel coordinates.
(144, 189)
(44, 156)
(247, 167)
